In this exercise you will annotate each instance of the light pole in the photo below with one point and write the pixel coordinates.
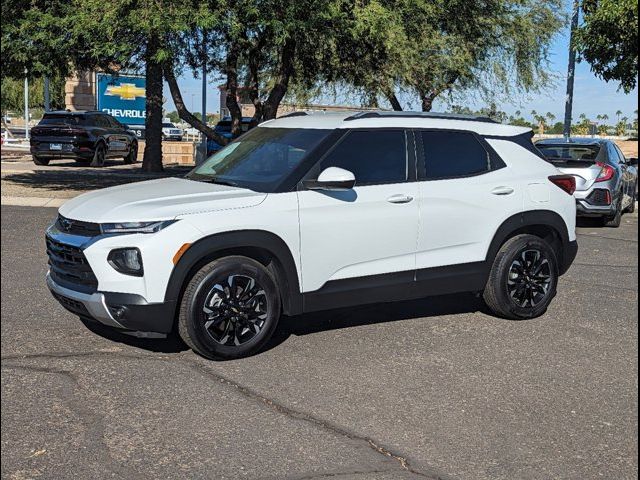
(47, 98)
(26, 105)
(571, 72)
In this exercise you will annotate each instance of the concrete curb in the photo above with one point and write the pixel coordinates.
(33, 201)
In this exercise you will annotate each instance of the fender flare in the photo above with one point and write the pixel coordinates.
(532, 218)
(284, 267)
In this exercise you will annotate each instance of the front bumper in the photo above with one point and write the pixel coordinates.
(123, 311)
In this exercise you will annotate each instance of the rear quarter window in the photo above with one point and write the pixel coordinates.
(452, 154)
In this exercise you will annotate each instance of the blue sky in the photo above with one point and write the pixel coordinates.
(592, 96)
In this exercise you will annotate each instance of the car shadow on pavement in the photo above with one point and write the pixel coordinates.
(171, 344)
(310, 323)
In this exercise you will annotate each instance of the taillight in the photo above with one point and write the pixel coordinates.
(565, 182)
(606, 173)
(78, 132)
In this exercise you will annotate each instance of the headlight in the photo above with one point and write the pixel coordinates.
(127, 261)
(135, 227)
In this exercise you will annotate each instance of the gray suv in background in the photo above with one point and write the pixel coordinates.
(606, 181)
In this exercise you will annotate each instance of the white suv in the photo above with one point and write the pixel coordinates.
(313, 212)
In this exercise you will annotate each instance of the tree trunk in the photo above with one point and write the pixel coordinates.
(254, 88)
(231, 69)
(427, 102)
(270, 107)
(152, 159)
(393, 100)
(183, 113)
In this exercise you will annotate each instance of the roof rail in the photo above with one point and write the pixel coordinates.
(434, 115)
(294, 114)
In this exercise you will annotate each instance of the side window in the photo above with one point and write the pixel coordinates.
(373, 156)
(452, 154)
(621, 156)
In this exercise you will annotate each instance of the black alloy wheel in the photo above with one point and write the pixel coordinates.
(529, 278)
(230, 308)
(235, 310)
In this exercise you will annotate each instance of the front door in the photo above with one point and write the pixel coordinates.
(366, 235)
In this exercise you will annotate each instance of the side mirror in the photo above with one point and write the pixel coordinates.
(633, 161)
(332, 178)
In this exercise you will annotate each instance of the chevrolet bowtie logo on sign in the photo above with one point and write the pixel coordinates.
(122, 96)
(126, 91)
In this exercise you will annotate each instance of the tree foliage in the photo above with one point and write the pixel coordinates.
(608, 40)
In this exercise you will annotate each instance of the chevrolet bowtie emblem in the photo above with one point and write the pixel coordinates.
(126, 91)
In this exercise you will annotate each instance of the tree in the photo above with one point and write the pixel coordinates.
(618, 114)
(115, 36)
(12, 94)
(608, 40)
(498, 47)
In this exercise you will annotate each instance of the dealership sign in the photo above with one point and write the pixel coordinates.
(122, 96)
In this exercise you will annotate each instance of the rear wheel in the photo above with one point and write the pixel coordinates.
(523, 278)
(230, 308)
(99, 155)
(632, 208)
(132, 156)
(615, 220)
(41, 161)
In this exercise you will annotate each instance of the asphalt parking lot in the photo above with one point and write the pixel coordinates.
(434, 388)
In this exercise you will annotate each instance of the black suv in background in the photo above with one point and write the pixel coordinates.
(88, 137)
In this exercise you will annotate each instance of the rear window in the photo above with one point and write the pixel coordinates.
(62, 119)
(168, 125)
(565, 153)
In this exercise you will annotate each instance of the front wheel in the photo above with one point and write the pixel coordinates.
(99, 155)
(230, 308)
(523, 278)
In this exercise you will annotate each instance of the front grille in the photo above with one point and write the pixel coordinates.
(68, 265)
(77, 227)
(599, 197)
(72, 305)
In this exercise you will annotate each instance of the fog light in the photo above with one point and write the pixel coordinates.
(127, 261)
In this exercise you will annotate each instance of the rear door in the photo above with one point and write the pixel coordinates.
(369, 233)
(465, 194)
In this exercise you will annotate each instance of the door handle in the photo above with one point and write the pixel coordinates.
(502, 191)
(400, 198)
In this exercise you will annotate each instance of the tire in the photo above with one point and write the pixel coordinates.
(616, 219)
(632, 208)
(132, 156)
(507, 293)
(216, 295)
(99, 155)
(41, 161)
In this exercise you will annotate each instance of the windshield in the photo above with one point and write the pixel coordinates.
(570, 153)
(261, 159)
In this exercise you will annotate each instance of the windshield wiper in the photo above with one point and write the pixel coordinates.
(219, 181)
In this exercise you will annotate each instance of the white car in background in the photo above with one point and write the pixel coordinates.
(171, 132)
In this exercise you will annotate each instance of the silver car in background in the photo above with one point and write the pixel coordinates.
(606, 181)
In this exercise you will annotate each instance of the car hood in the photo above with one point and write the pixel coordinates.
(161, 199)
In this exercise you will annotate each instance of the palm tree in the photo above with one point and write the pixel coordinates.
(618, 114)
(605, 117)
(518, 113)
(551, 117)
(582, 116)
